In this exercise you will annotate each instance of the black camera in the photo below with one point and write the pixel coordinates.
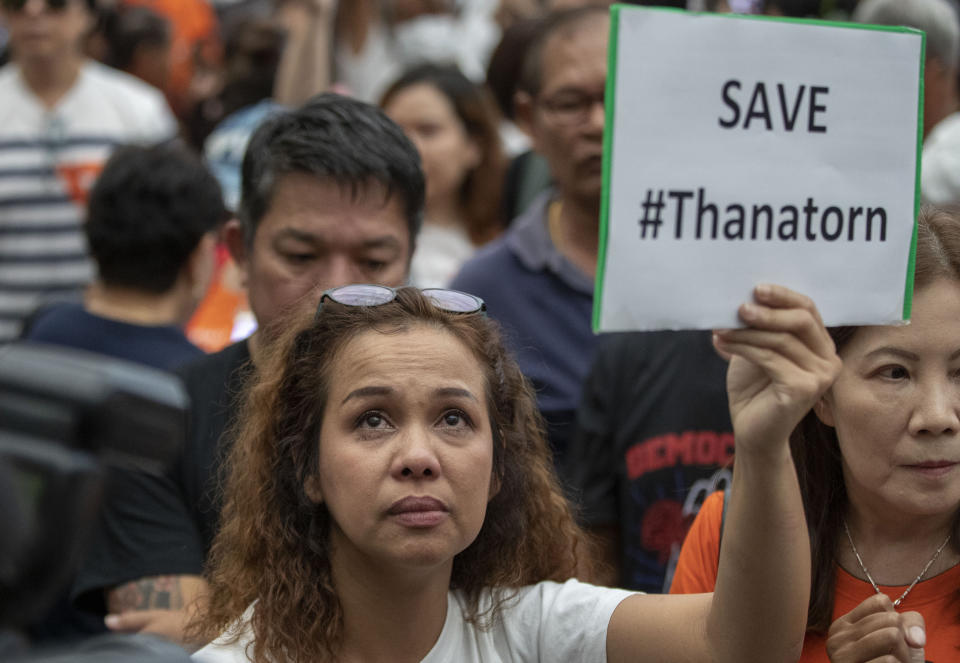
(66, 418)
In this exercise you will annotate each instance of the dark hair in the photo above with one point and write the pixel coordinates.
(252, 49)
(506, 63)
(565, 22)
(148, 211)
(480, 191)
(251, 54)
(816, 452)
(331, 137)
(272, 546)
(131, 28)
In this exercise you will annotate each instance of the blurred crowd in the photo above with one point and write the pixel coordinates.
(446, 70)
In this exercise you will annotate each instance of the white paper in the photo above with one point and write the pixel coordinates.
(667, 136)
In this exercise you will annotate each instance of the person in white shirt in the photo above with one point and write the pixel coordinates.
(60, 118)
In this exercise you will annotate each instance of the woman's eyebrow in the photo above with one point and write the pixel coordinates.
(890, 350)
(455, 392)
(364, 392)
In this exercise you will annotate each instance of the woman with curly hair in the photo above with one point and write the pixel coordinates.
(391, 497)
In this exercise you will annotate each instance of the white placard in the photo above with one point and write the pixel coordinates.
(743, 150)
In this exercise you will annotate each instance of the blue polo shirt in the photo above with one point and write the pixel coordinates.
(544, 304)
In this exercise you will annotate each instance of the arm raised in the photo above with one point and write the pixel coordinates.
(780, 364)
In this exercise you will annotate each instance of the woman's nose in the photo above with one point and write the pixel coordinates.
(416, 458)
(938, 409)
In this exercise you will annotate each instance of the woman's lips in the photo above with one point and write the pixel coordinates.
(418, 511)
(934, 468)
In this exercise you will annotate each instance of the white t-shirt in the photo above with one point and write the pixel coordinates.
(465, 38)
(440, 253)
(940, 165)
(549, 621)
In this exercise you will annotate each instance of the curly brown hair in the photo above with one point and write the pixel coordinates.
(272, 546)
(816, 452)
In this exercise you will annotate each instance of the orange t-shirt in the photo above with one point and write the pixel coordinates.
(933, 598)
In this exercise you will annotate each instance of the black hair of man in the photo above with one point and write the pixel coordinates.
(132, 28)
(147, 213)
(531, 76)
(336, 138)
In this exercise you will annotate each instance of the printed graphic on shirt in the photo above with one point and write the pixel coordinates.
(78, 179)
(668, 478)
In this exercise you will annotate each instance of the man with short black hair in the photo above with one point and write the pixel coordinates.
(151, 228)
(60, 117)
(332, 193)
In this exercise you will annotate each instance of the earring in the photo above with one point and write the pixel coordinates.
(312, 490)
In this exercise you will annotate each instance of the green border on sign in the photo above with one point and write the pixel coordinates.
(609, 105)
(912, 259)
(609, 98)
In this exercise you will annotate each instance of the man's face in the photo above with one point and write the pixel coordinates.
(566, 118)
(316, 235)
(42, 31)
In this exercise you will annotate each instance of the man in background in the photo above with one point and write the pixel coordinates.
(151, 228)
(61, 116)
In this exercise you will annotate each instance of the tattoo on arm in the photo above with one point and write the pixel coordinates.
(155, 592)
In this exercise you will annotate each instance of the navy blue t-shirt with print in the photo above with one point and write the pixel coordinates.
(653, 439)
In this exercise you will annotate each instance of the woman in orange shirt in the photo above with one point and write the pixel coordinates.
(878, 458)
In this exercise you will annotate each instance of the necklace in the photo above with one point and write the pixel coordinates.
(553, 224)
(915, 580)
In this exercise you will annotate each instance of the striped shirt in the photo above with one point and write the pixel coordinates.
(49, 159)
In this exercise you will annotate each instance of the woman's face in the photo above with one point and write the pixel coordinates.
(896, 410)
(406, 450)
(448, 153)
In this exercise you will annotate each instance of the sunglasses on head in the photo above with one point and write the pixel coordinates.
(17, 5)
(366, 294)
